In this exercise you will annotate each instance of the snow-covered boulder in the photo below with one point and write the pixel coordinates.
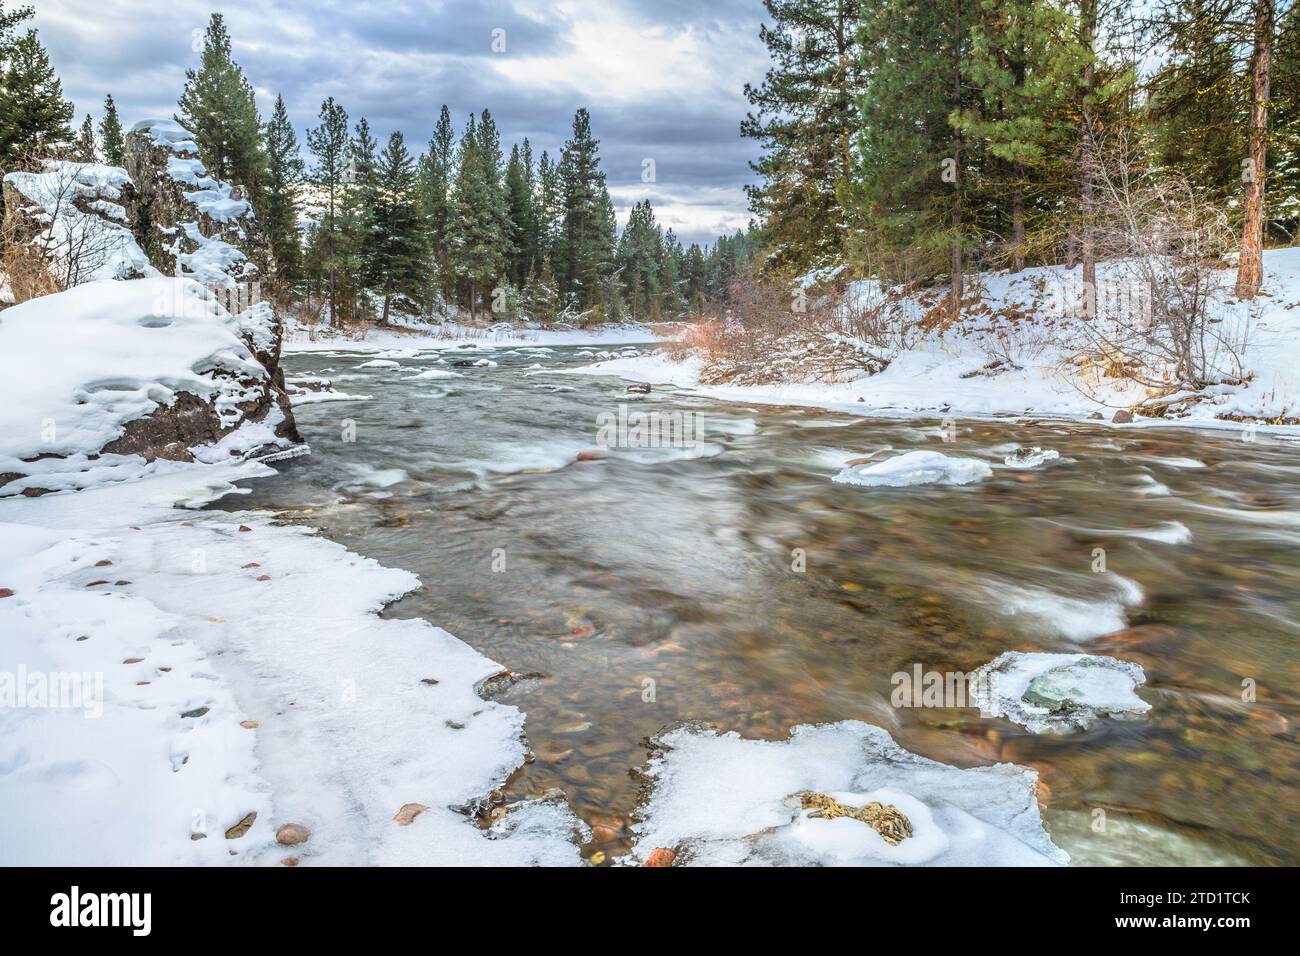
(1059, 693)
(723, 800)
(111, 378)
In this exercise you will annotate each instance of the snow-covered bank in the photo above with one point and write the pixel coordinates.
(452, 338)
(987, 366)
(180, 670)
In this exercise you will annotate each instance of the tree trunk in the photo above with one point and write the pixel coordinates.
(1018, 229)
(1087, 158)
(1250, 264)
(955, 292)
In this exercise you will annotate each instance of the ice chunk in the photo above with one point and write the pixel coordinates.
(915, 468)
(1059, 693)
(720, 799)
(1030, 457)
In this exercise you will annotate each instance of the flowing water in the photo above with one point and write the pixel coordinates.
(734, 584)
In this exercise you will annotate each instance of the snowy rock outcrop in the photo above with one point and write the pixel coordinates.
(193, 225)
(112, 379)
(1059, 693)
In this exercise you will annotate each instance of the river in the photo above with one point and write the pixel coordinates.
(732, 583)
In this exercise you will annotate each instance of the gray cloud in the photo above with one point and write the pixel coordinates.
(662, 78)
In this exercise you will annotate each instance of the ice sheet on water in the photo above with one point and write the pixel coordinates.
(915, 468)
(721, 799)
(1059, 693)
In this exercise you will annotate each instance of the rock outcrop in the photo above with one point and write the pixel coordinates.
(107, 380)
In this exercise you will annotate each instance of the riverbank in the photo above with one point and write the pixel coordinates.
(987, 367)
(194, 681)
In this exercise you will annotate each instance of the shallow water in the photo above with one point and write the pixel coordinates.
(736, 585)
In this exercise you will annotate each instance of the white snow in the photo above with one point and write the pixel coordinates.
(915, 468)
(1058, 693)
(722, 800)
(349, 732)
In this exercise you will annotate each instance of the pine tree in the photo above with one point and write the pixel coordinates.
(219, 109)
(434, 183)
(479, 242)
(110, 134)
(328, 143)
(397, 257)
(34, 116)
(520, 205)
(585, 242)
(912, 185)
(85, 147)
(542, 297)
(1024, 72)
(356, 218)
(550, 206)
(285, 174)
(639, 259)
(805, 116)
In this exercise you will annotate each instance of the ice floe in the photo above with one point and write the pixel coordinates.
(723, 800)
(1059, 693)
(915, 468)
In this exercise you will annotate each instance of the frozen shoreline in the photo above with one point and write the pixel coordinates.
(229, 618)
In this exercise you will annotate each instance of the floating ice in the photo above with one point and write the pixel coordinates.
(1030, 457)
(719, 799)
(915, 468)
(1059, 693)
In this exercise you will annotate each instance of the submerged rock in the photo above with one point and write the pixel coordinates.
(1059, 693)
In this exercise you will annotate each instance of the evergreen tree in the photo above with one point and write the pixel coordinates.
(912, 186)
(586, 236)
(542, 297)
(219, 109)
(34, 116)
(285, 174)
(397, 244)
(356, 218)
(110, 134)
(479, 242)
(550, 206)
(434, 184)
(85, 147)
(1023, 68)
(328, 143)
(519, 201)
(805, 116)
(639, 259)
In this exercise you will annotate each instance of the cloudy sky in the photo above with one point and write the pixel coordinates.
(663, 78)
